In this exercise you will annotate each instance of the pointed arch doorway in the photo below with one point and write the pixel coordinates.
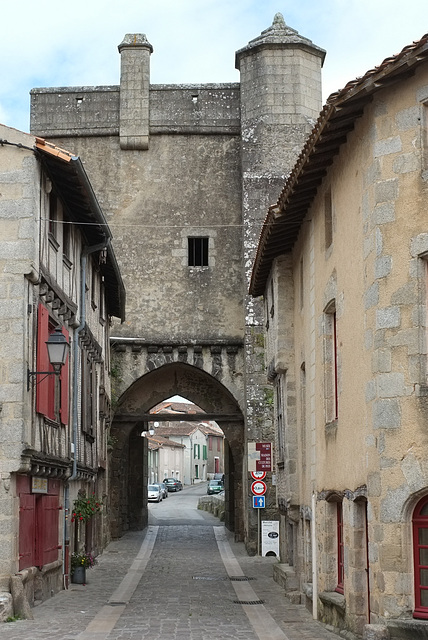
(128, 464)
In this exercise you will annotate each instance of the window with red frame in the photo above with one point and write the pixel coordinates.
(420, 556)
(51, 390)
(340, 549)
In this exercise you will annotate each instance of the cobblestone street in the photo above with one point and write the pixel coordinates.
(184, 580)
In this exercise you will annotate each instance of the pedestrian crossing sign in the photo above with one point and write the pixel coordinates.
(258, 502)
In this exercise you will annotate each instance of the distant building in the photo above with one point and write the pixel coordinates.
(202, 441)
(58, 278)
(165, 459)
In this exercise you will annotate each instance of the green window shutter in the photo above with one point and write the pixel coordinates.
(204, 450)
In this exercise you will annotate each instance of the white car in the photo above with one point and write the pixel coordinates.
(154, 493)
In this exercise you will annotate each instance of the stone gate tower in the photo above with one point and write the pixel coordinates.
(185, 174)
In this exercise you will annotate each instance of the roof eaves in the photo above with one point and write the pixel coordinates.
(329, 133)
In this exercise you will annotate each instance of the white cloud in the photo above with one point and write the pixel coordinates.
(46, 44)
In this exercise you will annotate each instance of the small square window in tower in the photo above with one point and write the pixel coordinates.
(197, 252)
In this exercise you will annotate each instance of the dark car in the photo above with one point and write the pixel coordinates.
(215, 486)
(173, 484)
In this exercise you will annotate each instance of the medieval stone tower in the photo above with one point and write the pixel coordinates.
(185, 175)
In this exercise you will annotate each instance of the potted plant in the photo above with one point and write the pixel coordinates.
(79, 562)
(85, 507)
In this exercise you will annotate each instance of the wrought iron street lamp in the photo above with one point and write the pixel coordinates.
(58, 347)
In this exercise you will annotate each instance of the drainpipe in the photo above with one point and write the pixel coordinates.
(83, 263)
(314, 560)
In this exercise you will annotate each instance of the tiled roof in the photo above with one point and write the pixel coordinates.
(158, 442)
(177, 428)
(211, 429)
(337, 119)
(176, 407)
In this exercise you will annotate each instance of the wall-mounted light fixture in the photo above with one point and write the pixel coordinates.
(58, 347)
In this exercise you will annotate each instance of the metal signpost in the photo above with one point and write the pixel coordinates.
(259, 463)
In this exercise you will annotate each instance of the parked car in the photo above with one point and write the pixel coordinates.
(164, 490)
(173, 484)
(154, 493)
(218, 476)
(215, 486)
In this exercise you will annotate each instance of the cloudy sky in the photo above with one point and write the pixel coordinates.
(51, 44)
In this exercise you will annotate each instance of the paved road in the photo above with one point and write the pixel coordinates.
(184, 578)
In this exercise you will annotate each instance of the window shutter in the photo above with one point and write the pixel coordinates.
(42, 383)
(27, 521)
(64, 379)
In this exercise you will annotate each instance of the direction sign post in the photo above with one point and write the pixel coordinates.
(258, 489)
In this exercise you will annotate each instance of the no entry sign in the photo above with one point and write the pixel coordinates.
(258, 488)
(258, 475)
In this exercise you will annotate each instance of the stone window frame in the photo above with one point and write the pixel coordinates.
(424, 136)
(196, 232)
(419, 521)
(419, 252)
(340, 546)
(330, 355)
(328, 219)
(280, 394)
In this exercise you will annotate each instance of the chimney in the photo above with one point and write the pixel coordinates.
(135, 53)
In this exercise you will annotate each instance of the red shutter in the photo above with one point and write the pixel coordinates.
(27, 522)
(64, 378)
(47, 530)
(42, 383)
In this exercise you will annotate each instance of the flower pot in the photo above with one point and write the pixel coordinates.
(79, 575)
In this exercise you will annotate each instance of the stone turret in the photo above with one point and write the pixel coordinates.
(135, 53)
(280, 93)
(280, 96)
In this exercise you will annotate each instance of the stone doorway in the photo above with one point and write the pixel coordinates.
(128, 465)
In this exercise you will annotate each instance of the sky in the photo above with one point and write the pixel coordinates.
(54, 44)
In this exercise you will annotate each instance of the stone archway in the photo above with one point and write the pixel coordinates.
(128, 468)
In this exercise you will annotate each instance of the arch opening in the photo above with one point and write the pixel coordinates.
(129, 458)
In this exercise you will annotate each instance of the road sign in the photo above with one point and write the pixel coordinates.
(258, 502)
(259, 456)
(258, 488)
(258, 475)
(270, 538)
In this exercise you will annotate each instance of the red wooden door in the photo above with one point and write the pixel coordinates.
(27, 527)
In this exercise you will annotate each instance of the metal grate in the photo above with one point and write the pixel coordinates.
(248, 601)
(240, 578)
(209, 578)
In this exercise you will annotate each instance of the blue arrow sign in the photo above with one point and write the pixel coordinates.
(258, 502)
